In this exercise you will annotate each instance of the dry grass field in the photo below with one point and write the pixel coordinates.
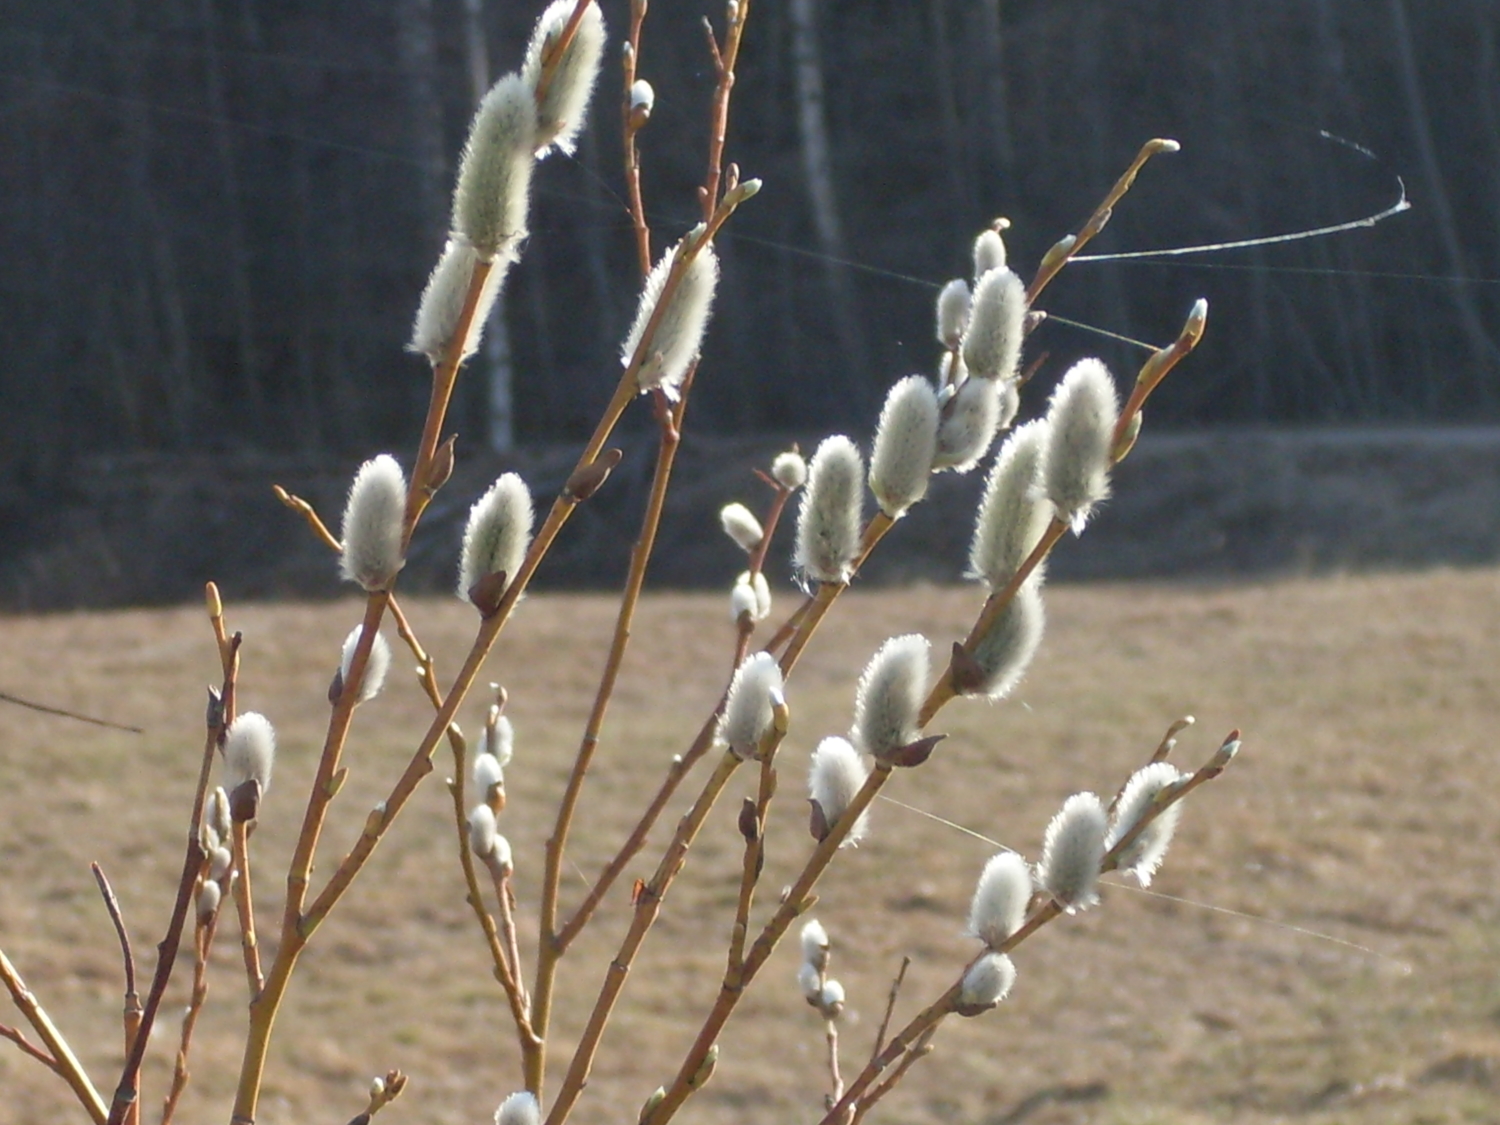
(1324, 947)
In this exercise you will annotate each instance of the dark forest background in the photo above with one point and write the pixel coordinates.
(216, 215)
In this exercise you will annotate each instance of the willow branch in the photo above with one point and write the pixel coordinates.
(63, 1061)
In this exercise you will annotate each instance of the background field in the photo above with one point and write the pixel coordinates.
(1364, 808)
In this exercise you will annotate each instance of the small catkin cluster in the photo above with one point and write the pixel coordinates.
(749, 709)
(521, 117)
(214, 839)
(249, 754)
(495, 749)
(928, 426)
(376, 665)
(818, 988)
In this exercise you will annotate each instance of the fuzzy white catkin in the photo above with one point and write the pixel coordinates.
(989, 253)
(1000, 898)
(498, 533)
(1013, 513)
(502, 858)
(831, 998)
(249, 751)
(499, 740)
(1081, 416)
(789, 470)
(1071, 851)
(219, 861)
(642, 98)
(1144, 856)
(218, 813)
(482, 835)
(905, 444)
(810, 981)
(679, 332)
(992, 342)
(815, 945)
(563, 107)
(751, 593)
(953, 304)
(988, 981)
(493, 191)
(443, 301)
(488, 773)
(837, 774)
(828, 522)
(740, 524)
(378, 664)
(890, 696)
(748, 709)
(1006, 649)
(373, 514)
(208, 900)
(968, 424)
(519, 1109)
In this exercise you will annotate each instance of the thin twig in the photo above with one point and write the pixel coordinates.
(27, 1047)
(132, 1008)
(202, 944)
(890, 1006)
(244, 904)
(919, 1051)
(221, 713)
(65, 1062)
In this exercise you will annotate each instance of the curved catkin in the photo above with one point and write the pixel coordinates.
(498, 533)
(753, 692)
(1013, 513)
(828, 522)
(953, 303)
(989, 253)
(498, 739)
(493, 191)
(1005, 651)
(249, 751)
(992, 342)
(837, 774)
(1000, 898)
(443, 300)
(890, 696)
(740, 524)
(1144, 855)
(905, 444)
(519, 1109)
(678, 334)
(1074, 845)
(1082, 415)
(371, 553)
(488, 773)
(815, 945)
(988, 981)
(967, 425)
(482, 833)
(376, 666)
(563, 106)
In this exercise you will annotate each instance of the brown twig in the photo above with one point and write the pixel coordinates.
(244, 904)
(202, 944)
(890, 1006)
(549, 948)
(132, 1008)
(630, 126)
(1060, 254)
(648, 905)
(920, 1049)
(63, 1061)
(725, 58)
(220, 714)
(794, 903)
(28, 1048)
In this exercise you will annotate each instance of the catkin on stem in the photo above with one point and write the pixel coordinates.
(1000, 898)
(1014, 513)
(678, 333)
(1081, 419)
(905, 444)
(1146, 851)
(497, 534)
(1074, 845)
(890, 696)
(373, 515)
(828, 522)
(563, 106)
(493, 192)
(837, 773)
(997, 322)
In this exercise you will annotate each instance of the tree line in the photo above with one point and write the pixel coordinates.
(218, 214)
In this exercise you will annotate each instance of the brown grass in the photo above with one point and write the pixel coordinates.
(1363, 808)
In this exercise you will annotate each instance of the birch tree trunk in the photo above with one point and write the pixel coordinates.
(817, 167)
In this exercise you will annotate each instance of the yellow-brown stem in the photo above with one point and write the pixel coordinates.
(245, 905)
(67, 1064)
